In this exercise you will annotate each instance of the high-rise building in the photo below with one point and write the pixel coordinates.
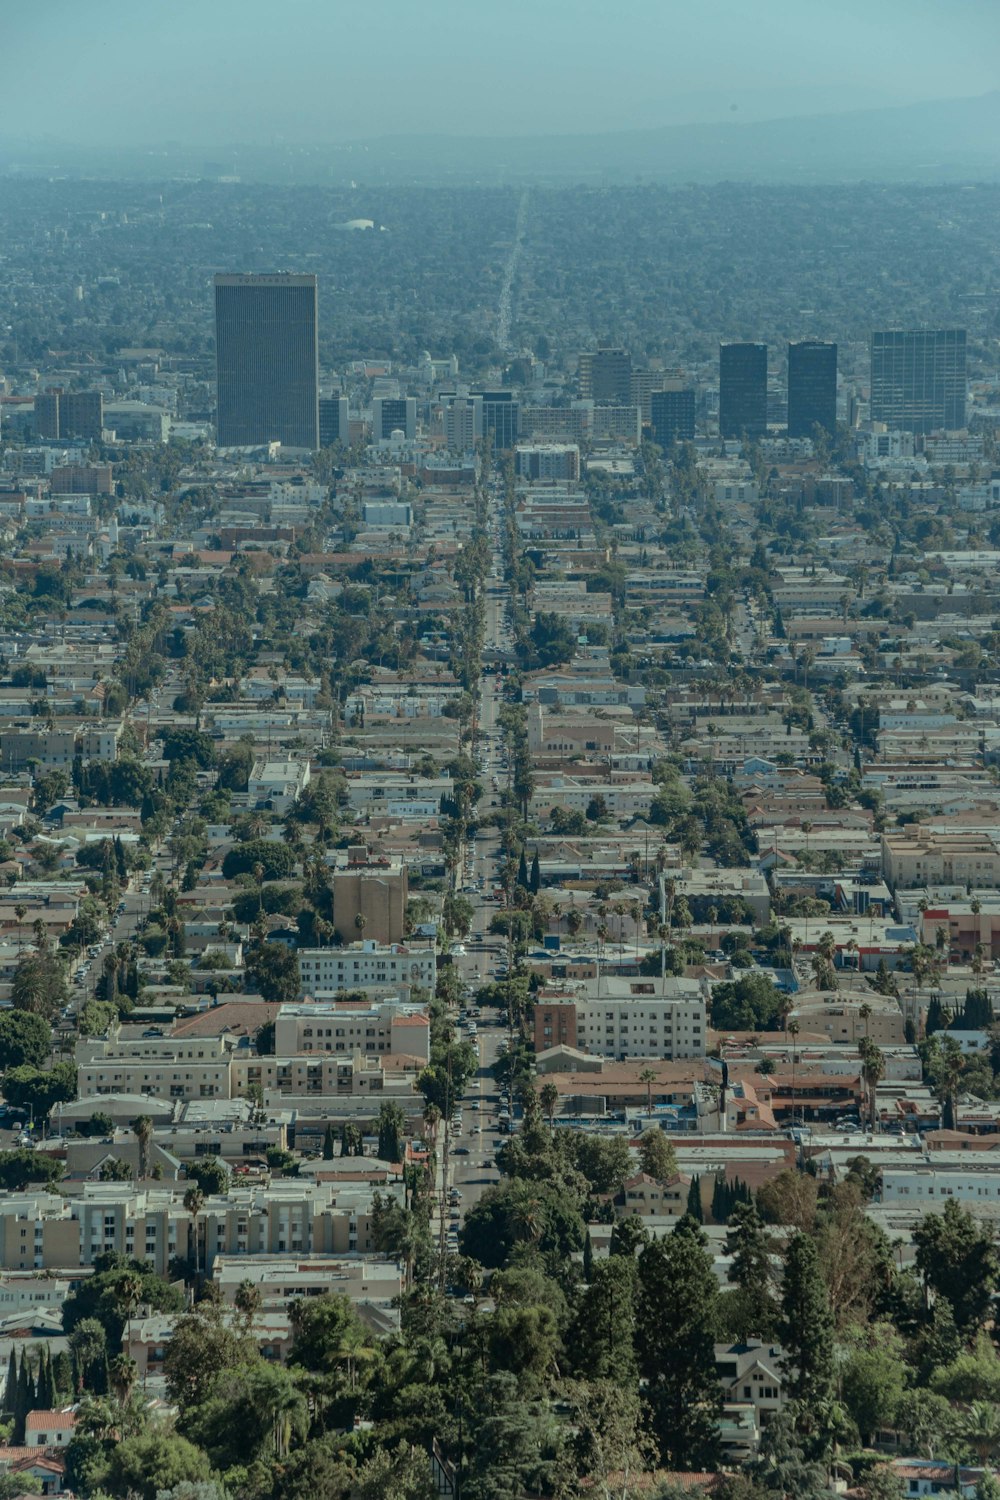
(605, 374)
(742, 390)
(463, 423)
(918, 379)
(672, 413)
(81, 415)
(334, 421)
(47, 414)
(393, 414)
(502, 417)
(267, 361)
(812, 387)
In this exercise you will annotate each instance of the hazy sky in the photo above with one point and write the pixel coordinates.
(217, 71)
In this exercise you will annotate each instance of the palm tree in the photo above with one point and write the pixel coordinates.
(793, 1031)
(20, 912)
(981, 1429)
(258, 875)
(128, 1290)
(123, 1371)
(361, 922)
(548, 1097)
(865, 1012)
(648, 1077)
(194, 1201)
(142, 1129)
(432, 1122)
(635, 912)
(872, 1073)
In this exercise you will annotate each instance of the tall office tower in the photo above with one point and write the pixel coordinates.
(672, 414)
(334, 421)
(393, 414)
(463, 423)
(812, 387)
(605, 374)
(742, 390)
(267, 361)
(81, 415)
(918, 379)
(47, 414)
(502, 417)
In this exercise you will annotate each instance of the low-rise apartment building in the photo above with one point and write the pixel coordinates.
(328, 971)
(641, 1022)
(349, 1027)
(920, 855)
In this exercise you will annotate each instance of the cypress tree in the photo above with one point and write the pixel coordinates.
(328, 1144)
(10, 1390)
(522, 872)
(62, 1377)
(535, 878)
(23, 1402)
(719, 1200)
(806, 1326)
(676, 1306)
(588, 1258)
(935, 1016)
(694, 1207)
(46, 1383)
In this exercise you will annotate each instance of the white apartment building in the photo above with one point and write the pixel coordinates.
(642, 1026)
(636, 1019)
(279, 783)
(327, 971)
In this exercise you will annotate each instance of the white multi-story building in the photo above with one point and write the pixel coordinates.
(327, 971)
(636, 1019)
(922, 1187)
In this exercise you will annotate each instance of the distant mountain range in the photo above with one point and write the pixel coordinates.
(948, 140)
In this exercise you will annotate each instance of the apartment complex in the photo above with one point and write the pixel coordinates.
(52, 1231)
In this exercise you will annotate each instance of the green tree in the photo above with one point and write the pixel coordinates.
(958, 1260)
(873, 1376)
(806, 1327)
(391, 1131)
(657, 1155)
(38, 1089)
(274, 969)
(750, 1272)
(603, 1337)
(39, 985)
(143, 1466)
(24, 1039)
(675, 1317)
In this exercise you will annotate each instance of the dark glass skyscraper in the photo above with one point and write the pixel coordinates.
(918, 379)
(267, 361)
(812, 387)
(742, 390)
(672, 411)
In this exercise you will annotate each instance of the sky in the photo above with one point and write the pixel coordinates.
(302, 72)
